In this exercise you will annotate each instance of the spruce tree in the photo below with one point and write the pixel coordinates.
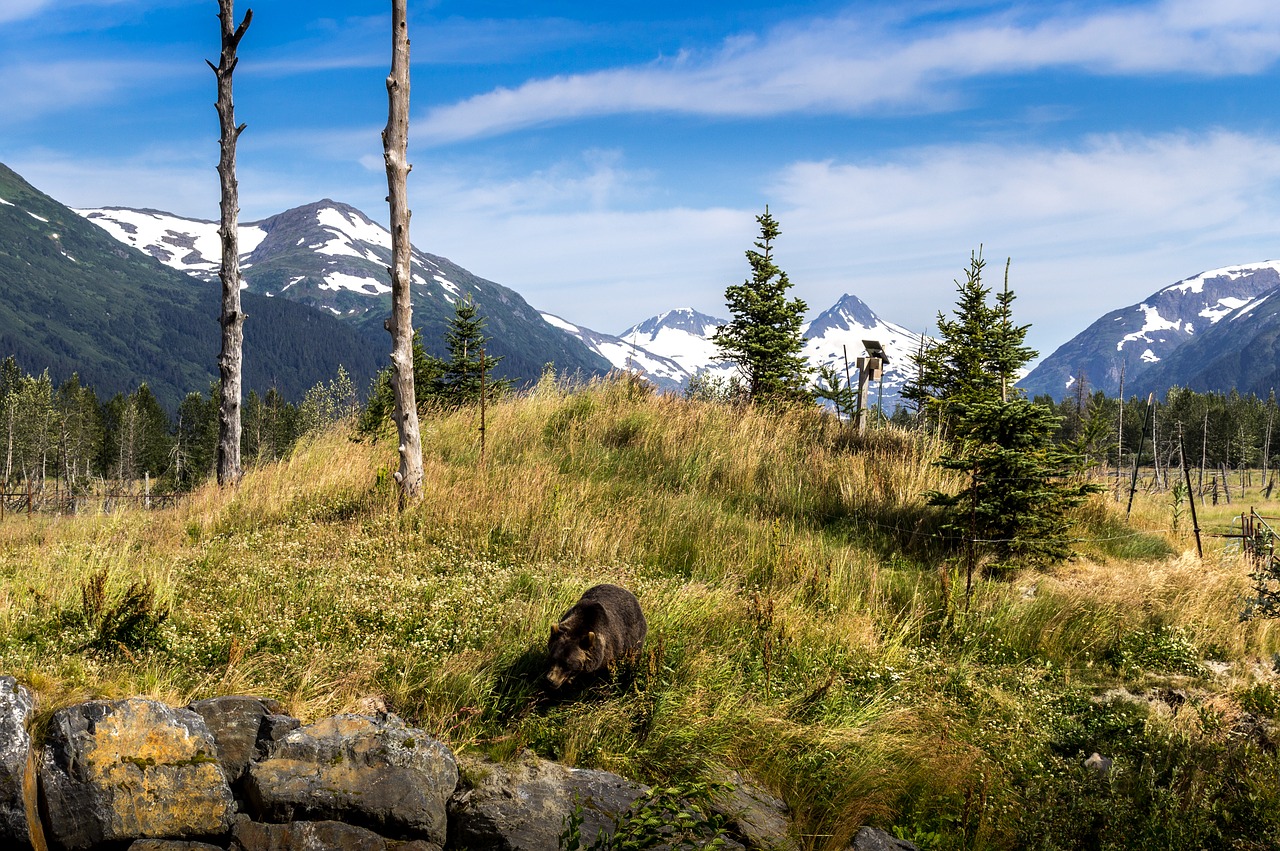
(977, 354)
(763, 338)
(468, 367)
(1011, 510)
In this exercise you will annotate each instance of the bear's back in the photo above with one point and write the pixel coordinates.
(621, 610)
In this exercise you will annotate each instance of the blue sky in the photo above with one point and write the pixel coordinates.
(607, 160)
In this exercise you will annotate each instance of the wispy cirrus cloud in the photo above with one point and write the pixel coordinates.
(852, 64)
(12, 11)
(32, 89)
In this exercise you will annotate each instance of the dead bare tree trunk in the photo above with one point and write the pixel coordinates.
(230, 365)
(395, 146)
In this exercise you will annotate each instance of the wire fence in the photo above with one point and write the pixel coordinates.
(33, 501)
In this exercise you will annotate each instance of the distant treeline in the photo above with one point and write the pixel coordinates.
(1217, 431)
(65, 433)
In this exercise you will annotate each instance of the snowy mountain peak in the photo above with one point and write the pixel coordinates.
(1195, 283)
(684, 319)
(1131, 340)
(682, 335)
(848, 313)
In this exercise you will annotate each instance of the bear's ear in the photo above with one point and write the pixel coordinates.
(591, 638)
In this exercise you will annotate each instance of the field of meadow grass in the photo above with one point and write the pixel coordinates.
(807, 626)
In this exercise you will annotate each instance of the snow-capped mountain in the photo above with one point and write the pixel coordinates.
(332, 257)
(1240, 351)
(327, 254)
(672, 347)
(663, 372)
(1145, 334)
(838, 333)
(683, 335)
(77, 302)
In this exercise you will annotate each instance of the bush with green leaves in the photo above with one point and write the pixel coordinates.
(679, 817)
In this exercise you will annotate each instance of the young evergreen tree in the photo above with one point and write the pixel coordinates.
(468, 367)
(428, 378)
(976, 355)
(763, 338)
(195, 449)
(1012, 510)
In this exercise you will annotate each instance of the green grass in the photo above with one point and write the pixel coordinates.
(806, 627)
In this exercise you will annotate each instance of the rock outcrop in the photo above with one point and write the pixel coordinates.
(373, 772)
(524, 805)
(128, 769)
(237, 774)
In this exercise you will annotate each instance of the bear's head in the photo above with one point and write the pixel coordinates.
(570, 652)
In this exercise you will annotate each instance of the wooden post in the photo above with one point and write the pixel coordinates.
(230, 362)
(395, 145)
(482, 404)
(1191, 497)
(868, 370)
(1137, 456)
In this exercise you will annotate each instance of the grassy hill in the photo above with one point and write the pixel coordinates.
(806, 625)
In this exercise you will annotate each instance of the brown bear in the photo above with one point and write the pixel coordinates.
(603, 627)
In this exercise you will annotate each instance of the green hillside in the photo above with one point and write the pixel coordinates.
(807, 625)
(74, 300)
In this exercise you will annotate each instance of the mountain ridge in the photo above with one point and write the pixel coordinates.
(78, 302)
(1131, 340)
(332, 257)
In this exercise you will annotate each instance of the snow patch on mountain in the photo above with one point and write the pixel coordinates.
(354, 283)
(189, 245)
(1154, 322)
(1224, 307)
(663, 372)
(1196, 283)
(353, 228)
(682, 335)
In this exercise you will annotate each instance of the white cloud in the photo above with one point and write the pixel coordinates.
(29, 90)
(16, 10)
(851, 64)
(1090, 228)
(21, 10)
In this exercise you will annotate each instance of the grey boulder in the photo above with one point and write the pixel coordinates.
(372, 772)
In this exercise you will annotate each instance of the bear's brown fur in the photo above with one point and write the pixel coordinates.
(603, 627)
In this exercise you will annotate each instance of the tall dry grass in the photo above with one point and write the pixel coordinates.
(806, 624)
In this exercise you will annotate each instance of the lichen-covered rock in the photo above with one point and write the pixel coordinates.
(367, 771)
(172, 845)
(316, 836)
(241, 727)
(16, 707)
(874, 839)
(112, 771)
(525, 805)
